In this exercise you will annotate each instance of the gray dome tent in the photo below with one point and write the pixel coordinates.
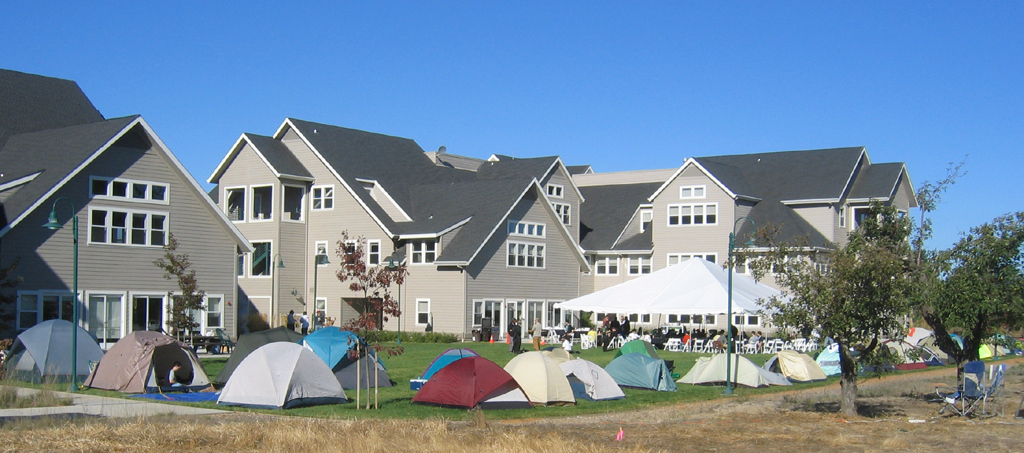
(43, 353)
(281, 376)
(252, 341)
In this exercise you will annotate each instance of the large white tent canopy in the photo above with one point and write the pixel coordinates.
(692, 287)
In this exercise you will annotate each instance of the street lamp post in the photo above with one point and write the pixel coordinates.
(393, 267)
(275, 265)
(54, 225)
(317, 261)
(728, 344)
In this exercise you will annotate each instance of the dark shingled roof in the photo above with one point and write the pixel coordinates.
(877, 180)
(578, 169)
(787, 175)
(606, 213)
(34, 152)
(279, 156)
(511, 167)
(30, 103)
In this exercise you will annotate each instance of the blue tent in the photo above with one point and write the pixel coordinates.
(445, 358)
(642, 372)
(828, 360)
(333, 345)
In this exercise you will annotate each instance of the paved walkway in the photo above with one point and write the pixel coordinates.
(104, 407)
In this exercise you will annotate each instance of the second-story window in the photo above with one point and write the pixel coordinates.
(524, 254)
(373, 252)
(693, 214)
(263, 203)
(555, 190)
(128, 190)
(234, 204)
(842, 216)
(606, 265)
(323, 197)
(563, 210)
(646, 217)
(639, 265)
(121, 227)
(521, 228)
(423, 252)
(292, 203)
(261, 259)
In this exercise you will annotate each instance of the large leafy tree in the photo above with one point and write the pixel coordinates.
(976, 289)
(856, 294)
(190, 298)
(374, 281)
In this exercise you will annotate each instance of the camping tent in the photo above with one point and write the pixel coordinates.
(912, 357)
(711, 370)
(541, 378)
(332, 345)
(642, 372)
(472, 381)
(929, 342)
(591, 382)
(795, 366)
(363, 374)
(445, 358)
(694, 286)
(281, 375)
(251, 342)
(828, 360)
(43, 353)
(640, 347)
(140, 362)
(916, 334)
(559, 355)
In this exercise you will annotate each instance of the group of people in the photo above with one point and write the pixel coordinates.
(612, 327)
(515, 335)
(303, 321)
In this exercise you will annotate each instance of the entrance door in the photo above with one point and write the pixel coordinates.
(513, 310)
(147, 313)
(105, 317)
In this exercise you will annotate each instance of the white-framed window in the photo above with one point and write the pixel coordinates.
(293, 202)
(646, 218)
(688, 192)
(104, 315)
(373, 252)
(37, 306)
(234, 203)
(740, 267)
(523, 228)
(240, 267)
(646, 318)
(488, 309)
(262, 203)
(105, 188)
(262, 254)
(746, 320)
(423, 251)
(556, 190)
(214, 311)
(563, 210)
(606, 265)
(556, 316)
(842, 216)
(525, 254)
(534, 310)
(127, 227)
(692, 214)
(319, 306)
(859, 213)
(422, 312)
(676, 258)
(319, 249)
(323, 198)
(639, 265)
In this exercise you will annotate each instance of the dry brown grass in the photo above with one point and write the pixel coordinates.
(16, 398)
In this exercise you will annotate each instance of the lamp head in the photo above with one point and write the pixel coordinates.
(280, 263)
(52, 221)
(391, 264)
(322, 259)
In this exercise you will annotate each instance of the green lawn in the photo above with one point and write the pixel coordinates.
(395, 401)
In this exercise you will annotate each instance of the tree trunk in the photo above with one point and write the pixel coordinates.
(848, 381)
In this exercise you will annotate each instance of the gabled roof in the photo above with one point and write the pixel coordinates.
(788, 175)
(30, 103)
(579, 169)
(278, 158)
(607, 212)
(879, 182)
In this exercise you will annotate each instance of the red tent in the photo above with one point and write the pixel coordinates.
(472, 381)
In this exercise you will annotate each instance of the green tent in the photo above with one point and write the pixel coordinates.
(639, 347)
(642, 372)
(252, 341)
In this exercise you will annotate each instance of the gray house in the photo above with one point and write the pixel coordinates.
(57, 152)
(641, 221)
(484, 239)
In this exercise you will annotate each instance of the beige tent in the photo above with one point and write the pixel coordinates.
(140, 362)
(795, 366)
(559, 355)
(541, 378)
(711, 370)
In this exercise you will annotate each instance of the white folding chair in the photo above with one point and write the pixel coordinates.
(673, 345)
(698, 346)
(616, 342)
(800, 344)
(586, 342)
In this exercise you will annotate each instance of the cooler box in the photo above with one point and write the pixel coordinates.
(415, 384)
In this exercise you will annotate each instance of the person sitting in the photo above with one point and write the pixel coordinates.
(567, 343)
(176, 378)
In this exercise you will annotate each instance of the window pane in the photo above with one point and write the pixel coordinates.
(139, 191)
(99, 229)
(120, 189)
(686, 192)
(99, 186)
(159, 192)
(139, 229)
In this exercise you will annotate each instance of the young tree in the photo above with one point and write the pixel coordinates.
(190, 300)
(374, 282)
(856, 294)
(928, 197)
(976, 289)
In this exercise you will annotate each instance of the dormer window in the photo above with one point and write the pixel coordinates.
(555, 190)
(423, 252)
(646, 217)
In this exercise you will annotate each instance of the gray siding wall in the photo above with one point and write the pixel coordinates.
(569, 196)
(445, 287)
(691, 238)
(46, 256)
(489, 277)
(822, 217)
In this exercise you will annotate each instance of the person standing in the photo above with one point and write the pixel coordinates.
(624, 326)
(304, 321)
(511, 336)
(517, 337)
(291, 320)
(537, 331)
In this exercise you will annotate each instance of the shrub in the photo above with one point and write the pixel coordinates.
(410, 337)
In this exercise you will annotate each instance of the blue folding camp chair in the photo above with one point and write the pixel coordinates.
(972, 397)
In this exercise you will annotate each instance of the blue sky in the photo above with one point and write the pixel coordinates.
(617, 85)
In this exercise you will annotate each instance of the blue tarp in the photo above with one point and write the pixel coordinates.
(195, 397)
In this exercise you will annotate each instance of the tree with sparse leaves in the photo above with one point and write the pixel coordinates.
(976, 289)
(374, 281)
(190, 298)
(856, 294)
